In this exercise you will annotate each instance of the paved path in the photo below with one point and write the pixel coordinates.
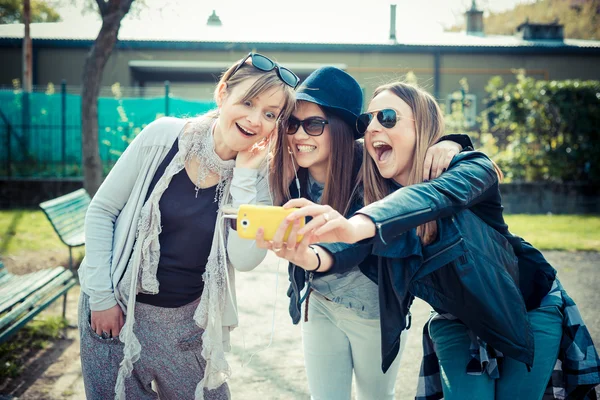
(264, 370)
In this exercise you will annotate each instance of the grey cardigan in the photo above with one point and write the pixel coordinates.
(115, 220)
(111, 220)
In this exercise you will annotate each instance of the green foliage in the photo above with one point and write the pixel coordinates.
(11, 12)
(34, 336)
(455, 118)
(543, 130)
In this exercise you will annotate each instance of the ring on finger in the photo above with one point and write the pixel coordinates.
(276, 249)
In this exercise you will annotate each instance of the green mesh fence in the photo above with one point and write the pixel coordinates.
(40, 134)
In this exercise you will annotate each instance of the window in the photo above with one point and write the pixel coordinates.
(463, 104)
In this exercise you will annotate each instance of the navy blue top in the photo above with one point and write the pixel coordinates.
(188, 225)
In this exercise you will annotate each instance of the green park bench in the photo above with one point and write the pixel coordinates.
(67, 216)
(22, 297)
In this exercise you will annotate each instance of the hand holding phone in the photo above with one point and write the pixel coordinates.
(250, 217)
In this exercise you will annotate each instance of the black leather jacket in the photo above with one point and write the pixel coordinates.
(473, 242)
(297, 276)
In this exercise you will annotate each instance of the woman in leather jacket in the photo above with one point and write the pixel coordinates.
(459, 216)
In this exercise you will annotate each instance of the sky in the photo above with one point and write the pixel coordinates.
(412, 15)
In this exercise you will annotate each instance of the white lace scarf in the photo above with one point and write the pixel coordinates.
(140, 275)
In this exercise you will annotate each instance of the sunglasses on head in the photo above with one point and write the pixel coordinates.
(265, 64)
(386, 117)
(313, 126)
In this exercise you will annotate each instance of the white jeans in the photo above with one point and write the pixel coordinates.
(336, 342)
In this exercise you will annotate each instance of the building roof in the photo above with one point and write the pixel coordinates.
(138, 34)
(213, 66)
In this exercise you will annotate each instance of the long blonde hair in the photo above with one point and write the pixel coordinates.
(429, 128)
(266, 81)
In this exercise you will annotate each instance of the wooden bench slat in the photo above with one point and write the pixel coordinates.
(59, 208)
(23, 285)
(15, 294)
(14, 283)
(39, 295)
(18, 324)
(71, 227)
(67, 216)
(63, 199)
(68, 213)
(10, 279)
(21, 289)
(17, 280)
(67, 221)
(59, 202)
(4, 277)
(76, 240)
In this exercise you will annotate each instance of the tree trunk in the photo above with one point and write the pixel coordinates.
(112, 13)
(27, 48)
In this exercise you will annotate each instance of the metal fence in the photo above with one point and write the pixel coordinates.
(40, 132)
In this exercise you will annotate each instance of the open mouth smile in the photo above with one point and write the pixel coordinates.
(383, 150)
(245, 131)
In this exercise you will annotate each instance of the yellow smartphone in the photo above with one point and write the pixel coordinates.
(250, 217)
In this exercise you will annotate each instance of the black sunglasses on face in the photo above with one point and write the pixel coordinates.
(313, 126)
(386, 117)
(265, 64)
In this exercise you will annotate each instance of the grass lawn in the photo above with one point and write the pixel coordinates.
(28, 242)
(26, 230)
(23, 231)
(558, 232)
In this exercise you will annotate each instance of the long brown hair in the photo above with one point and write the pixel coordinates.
(342, 166)
(429, 128)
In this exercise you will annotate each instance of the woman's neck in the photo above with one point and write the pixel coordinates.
(224, 152)
(318, 173)
(402, 178)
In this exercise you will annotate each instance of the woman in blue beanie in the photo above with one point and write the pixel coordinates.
(318, 158)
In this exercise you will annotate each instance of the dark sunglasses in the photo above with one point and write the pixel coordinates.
(313, 126)
(265, 64)
(386, 117)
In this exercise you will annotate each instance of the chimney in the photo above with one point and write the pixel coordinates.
(541, 31)
(393, 22)
(474, 19)
(214, 20)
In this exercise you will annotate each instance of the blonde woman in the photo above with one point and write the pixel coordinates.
(158, 298)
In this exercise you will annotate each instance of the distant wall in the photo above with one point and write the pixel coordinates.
(517, 198)
(556, 198)
(29, 193)
(371, 69)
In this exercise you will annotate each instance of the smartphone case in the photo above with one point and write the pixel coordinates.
(251, 217)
